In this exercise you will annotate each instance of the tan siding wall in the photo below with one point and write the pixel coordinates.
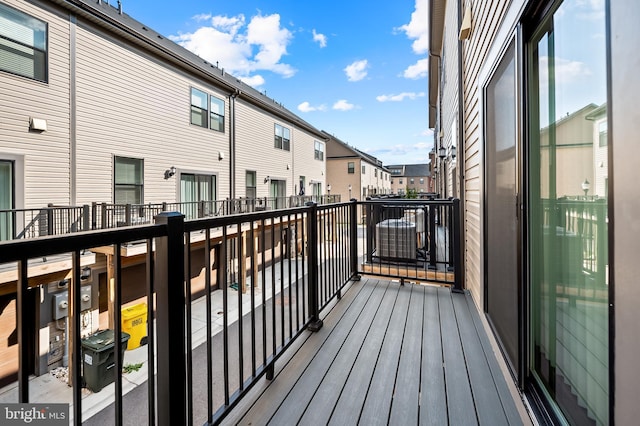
(122, 111)
(46, 154)
(255, 151)
(486, 19)
(340, 179)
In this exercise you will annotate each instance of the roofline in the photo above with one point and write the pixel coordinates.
(357, 153)
(107, 17)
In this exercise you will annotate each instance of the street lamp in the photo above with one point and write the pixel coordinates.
(585, 187)
(349, 191)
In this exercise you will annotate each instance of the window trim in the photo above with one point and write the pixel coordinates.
(44, 51)
(203, 111)
(129, 185)
(284, 143)
(221, 117)
(351, 167)
(318, 150)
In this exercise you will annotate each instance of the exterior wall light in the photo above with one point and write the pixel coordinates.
(453, 151)
(442, 152)
(169, 172)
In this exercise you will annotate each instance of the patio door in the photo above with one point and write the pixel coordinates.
(6, 199)
(502, 221)
(278, 192)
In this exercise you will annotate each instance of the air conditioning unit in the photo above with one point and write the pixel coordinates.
(396, 239)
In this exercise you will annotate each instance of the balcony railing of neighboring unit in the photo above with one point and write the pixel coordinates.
(58, 220)
(272, 271)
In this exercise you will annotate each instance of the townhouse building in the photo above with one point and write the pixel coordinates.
(536, 97)
(96, 106)
(413, 177)
(353, 173)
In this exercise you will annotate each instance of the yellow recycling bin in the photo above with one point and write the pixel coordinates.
(134, 322)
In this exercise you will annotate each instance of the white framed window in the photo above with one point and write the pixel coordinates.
(250, 190)
(23, 44)
(318, 153)
(216, 114)
(282, 139)
(351, 167)
(128, 180)
(199, 108)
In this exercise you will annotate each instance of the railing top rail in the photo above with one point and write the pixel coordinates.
(15, 250)
(236, 218)
(409, 201)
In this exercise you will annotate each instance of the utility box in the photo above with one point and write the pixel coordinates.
(134, 322)
(60, 308)
(98, 358)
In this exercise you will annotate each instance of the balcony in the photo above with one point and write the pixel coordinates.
(321, 313)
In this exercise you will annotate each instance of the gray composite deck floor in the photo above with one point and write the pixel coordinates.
(388, 354)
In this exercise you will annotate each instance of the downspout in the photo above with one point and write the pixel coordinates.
(232, 144)
(461, 148)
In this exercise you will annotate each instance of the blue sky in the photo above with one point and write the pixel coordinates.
(356, 69)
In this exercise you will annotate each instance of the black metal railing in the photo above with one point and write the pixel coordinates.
(271, 273)
(414, 239)
(58, 220)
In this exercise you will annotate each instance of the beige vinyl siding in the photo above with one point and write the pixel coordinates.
(46, 154)
(340, 179)
(255, 150)
(304, 163)
(130, 105)
(486, 19)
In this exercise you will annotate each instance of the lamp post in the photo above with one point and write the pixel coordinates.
(349, 191)
(585, 187)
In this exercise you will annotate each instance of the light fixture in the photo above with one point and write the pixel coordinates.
(267, 179)
(453, 151)
(442, 152)
(329, 188)
(169, 172)
(85, 273)
(37, 124)
(465, 27)
(585, 187)
(288, 166)
(349, 191)
(220, 155)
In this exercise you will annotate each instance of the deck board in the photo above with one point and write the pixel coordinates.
(389, 354)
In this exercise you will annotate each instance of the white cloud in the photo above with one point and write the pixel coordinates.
(232, 44)
(417, 70)
(566, 71)
(343, 105)
(400, 97)
(255, 80)
(307, 107)
(417, 29)
(357, 70)
(321, 39)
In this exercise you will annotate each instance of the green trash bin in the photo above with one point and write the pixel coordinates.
(98, 358)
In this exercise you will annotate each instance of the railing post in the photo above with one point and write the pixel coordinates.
(50, 220)
(86, 217)
(353, 243)
(433, 236)
(315, 322)
(458, 286)
(170, 321)
(452, 232)
(94, 215)
(127, 214)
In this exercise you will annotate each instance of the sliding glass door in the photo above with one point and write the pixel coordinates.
(6, 200)
(568, 227)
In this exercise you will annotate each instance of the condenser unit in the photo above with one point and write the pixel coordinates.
(396, 239)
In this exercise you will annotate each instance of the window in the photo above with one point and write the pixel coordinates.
(363, 169)
(421, 181)
(411, 181)
(400, 182)
(351, 167)
(207, 111)
(391, 181)
(128, 179)
(250, 185)
(23, 44)
(602, 133)
(217, 114)
(198, 108)
(375, 172)
(319, 151)
(282, 138)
